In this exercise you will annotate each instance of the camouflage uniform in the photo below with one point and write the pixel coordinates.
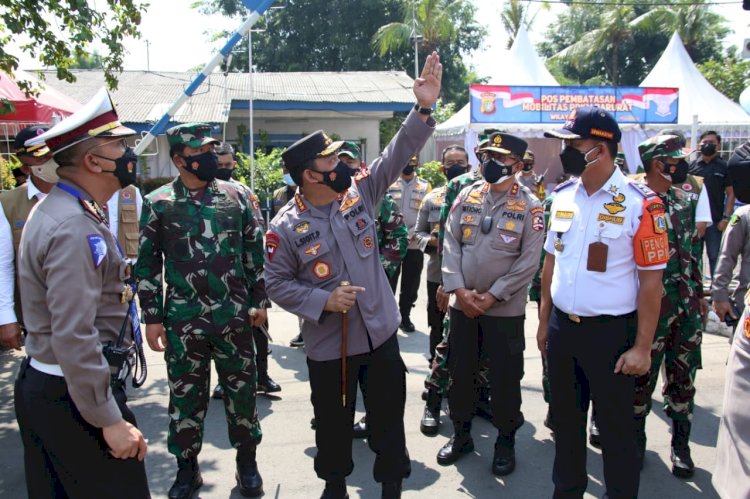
(439, 377)
(212, 251)
(678, 333)
(393, 236)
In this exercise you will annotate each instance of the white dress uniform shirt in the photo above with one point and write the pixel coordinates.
(7, 261)
(703, 209)
(610, 215)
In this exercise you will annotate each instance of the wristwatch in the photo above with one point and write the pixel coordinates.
(422, 110)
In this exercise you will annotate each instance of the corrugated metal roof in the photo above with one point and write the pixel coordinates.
(143, 97)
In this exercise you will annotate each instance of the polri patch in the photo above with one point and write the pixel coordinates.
(272, 244)
(98, 248)
(321, 269)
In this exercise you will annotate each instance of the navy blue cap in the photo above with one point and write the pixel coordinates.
(589, 123)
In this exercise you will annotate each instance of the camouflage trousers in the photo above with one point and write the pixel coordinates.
(439, 378)
(190, 348)
(677, 343)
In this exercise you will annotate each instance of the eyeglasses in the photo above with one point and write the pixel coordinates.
(486, 224)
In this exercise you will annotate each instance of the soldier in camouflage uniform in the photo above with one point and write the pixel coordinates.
(678, 333)
(204, 233)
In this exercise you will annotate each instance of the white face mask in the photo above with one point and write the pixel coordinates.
(46, 172)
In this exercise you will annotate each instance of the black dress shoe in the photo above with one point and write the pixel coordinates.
(188, 480)
(267, 385)
(248, 479)
(407, 326)
(454, 449)
(335, 490)
(218, 393)
(425, 392)
(391, 490)
(504, 460)
(297, 341)
(360, 428)
(595, 438)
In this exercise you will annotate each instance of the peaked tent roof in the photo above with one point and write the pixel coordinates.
(527, 69)
(697, 95)
(40, 108)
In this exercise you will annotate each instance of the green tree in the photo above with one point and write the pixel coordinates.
(598, 44)
(80, 24)
(446, 26)
(432, 172)
(267, 172)
(88, 61)
(516, 14)
(729, 75)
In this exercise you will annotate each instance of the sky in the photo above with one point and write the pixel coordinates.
(194, 29)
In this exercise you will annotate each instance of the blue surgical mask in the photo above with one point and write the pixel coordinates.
(288, 180)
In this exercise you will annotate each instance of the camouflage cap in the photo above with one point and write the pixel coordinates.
(350, 149)
(660, 146)
(620, 159)
(192, 135)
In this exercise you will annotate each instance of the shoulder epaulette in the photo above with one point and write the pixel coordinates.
(565, 185)
(641, 189)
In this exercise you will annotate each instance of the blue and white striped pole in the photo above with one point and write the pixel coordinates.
(258, 8)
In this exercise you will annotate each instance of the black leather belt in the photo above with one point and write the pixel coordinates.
(577, 319)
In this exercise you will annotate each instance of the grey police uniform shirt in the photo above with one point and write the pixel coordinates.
(501, 261)
(736, 242)
(428, 223)
(311, 250)
(409, 196)
(71, 278)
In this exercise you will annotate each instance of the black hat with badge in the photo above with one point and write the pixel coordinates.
(28, 133)
(588, 123)
(505, 143)
(315, 145)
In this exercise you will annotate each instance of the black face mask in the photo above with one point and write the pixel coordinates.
(224, 173)
(204, 166)
(492, 170)
(680, 172)
(408, 170)
(573, 161)
(454, 171)
(339, 179)
(708, 149)
(353, 171)
(124, 167)
(527, 167)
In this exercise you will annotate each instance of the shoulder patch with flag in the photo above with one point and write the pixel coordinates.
(272, 242)
(98, 248)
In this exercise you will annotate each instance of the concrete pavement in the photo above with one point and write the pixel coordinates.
(285, 456)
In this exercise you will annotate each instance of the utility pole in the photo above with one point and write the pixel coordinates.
(415, 37)
(148, 57)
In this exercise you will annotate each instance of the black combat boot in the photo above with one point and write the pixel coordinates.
(335, 489)
(640, 440)
(460, 443)
(682, 463)
(391, 490)
(431, 418)
(188, 480)
(265, 383)
(248, 478)
(504, 460)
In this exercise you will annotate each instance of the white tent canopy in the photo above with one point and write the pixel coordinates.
(521, 65)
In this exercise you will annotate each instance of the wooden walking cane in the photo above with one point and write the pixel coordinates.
(343, 351)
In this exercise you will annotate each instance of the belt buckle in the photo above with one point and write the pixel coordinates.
(574, 318)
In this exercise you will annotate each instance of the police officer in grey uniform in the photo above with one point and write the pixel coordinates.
(80, 438)
(493, 239)
(315, 247)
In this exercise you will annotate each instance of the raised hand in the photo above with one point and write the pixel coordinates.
(427, 86)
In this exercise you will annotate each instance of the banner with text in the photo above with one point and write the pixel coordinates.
(511, 104)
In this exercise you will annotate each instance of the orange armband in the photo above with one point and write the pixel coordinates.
(650, 244)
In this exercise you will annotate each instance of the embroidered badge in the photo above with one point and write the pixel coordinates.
(321, 269)
(603, 217)
(512, 225)
(687, 187)
(537, 211)
(660, 224)
(614, 208)
(537, 223)
(301, 206)
(302, 227)
(467, 232)
(272, 243)
(313, 250)
(655, 250)
(612, 188)
(367, 242)
(747, 327)
(361, 224)
(515, 205)
(98, 249)
(564, 214)
(126, 195)
(514, 190)
(468, 219)
(348, 203)
(508, 239)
